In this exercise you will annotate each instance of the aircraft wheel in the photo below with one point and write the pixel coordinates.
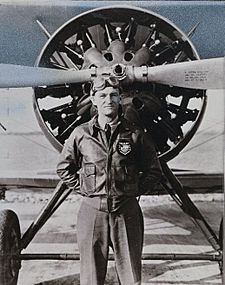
(221, 234)
(9, 245)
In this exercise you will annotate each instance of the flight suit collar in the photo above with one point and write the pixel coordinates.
(94, 126)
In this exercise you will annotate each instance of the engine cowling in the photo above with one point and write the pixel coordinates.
(120, 37)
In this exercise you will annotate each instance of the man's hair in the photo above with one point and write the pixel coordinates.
(101, 83)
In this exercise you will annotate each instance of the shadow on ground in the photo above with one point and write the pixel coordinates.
(150, 273)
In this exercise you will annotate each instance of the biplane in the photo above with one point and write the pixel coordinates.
(153, 48)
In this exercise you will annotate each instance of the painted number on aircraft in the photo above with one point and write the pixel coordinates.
(199, 76)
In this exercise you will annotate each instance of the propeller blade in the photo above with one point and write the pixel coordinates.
(13, 76)
(197, 74)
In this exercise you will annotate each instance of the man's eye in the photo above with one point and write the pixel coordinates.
(114, 95)
(102, 96)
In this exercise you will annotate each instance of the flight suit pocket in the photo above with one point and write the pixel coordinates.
(130, 179)
(126, 179)
(118, 177)
(88, 178)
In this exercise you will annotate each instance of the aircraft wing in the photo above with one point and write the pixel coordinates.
(27, 179)
(22, 38)
(192, 181)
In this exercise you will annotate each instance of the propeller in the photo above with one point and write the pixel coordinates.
(14, 76)
(197, 74)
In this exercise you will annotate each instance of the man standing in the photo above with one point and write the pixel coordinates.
(111, 162)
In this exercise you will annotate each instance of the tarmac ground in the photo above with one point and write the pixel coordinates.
(167, 230)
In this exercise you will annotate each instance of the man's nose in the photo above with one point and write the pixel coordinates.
(109, 99)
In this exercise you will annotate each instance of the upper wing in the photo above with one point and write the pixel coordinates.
(22, 38)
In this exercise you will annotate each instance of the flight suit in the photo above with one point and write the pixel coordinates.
(109, 175)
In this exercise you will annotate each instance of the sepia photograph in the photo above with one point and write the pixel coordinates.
(112, 142)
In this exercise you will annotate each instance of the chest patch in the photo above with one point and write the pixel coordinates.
(124, 148)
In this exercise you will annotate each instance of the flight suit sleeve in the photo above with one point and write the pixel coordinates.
(68, 164)
(151, 171)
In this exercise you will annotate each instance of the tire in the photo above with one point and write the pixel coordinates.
(9, 245)
(221, 235)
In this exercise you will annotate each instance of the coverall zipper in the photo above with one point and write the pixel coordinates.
(108, 174)
(109, 149)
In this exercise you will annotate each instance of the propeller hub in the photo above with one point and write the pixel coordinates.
(119, 71)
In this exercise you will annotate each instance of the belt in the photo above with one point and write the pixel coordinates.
(106, 204)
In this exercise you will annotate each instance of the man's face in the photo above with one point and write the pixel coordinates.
(107, 101)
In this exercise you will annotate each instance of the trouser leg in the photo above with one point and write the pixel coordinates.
(126, 232)
(92, 237)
